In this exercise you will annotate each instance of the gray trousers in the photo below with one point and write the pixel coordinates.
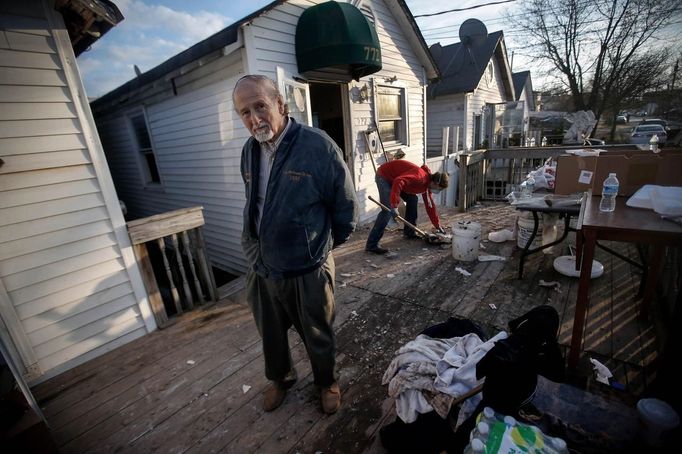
(307, 303)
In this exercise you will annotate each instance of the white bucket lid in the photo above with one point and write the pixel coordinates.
(565, 265)
(658, 413)
(466, 228)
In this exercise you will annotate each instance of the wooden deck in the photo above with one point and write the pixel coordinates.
(196, 385)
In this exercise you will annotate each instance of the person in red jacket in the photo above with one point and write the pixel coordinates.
(402, 179)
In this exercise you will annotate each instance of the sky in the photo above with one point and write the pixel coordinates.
(155, 30)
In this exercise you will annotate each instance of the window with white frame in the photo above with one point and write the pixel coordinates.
(391, 108)
(138, 126)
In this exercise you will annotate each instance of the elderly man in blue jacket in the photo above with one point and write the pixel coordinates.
(300, 204)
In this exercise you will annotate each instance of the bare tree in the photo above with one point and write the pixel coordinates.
(591, 43)
(643, 72)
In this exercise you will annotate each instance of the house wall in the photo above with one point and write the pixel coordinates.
(197, 143)
(459, 109)
(486, 93)
(445, 111)
(69, 286)
(529, 105)
(269, 42)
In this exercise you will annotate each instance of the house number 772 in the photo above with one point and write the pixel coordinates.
(373, 54)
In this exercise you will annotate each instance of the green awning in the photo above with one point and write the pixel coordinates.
(335, 40)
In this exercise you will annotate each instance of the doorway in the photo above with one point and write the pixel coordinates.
(326, 106)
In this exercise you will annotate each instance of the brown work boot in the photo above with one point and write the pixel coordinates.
(273, 397)
(330, 397)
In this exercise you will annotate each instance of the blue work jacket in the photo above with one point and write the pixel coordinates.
(309, 208)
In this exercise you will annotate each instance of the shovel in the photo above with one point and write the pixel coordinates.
(431, 238)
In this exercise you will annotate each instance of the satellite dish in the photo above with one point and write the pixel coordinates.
(472, 33)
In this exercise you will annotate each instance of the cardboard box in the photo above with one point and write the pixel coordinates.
(574, 173)
(634, 168)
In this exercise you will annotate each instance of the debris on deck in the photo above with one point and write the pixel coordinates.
(142, 397)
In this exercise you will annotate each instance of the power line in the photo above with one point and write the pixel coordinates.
(504, 18)
(463, 9)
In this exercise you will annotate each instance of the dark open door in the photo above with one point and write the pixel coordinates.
(328, 113)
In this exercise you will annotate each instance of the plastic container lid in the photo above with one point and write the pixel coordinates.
(510, 420)
(477, 445)
(466, 229)
(658, 413)
(559, 444)
(483, 428)
(565, 265)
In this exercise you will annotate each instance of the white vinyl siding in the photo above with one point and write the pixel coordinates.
(59, 256)
(401, 65)
(197, 140)
(450, 110)
(444, 111)
(486, 93)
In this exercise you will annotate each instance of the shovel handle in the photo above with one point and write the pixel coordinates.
(400, 218)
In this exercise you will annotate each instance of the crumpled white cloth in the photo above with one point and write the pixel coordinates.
(456, 372)
(427, 374)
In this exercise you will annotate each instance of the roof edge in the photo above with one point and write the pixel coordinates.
(421, 48)
(220, 39)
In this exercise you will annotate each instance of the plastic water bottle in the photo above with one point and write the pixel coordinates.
(653, 143)
(557, 445)
(481, 432)
(475, 447)
(495, 432)
(609, 193)
(528, 187)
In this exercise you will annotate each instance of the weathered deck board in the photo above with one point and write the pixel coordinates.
(144, 396)
(154, 373)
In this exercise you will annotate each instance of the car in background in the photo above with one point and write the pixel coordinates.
(643, 132)
(621, 119)
(641, 113)
(655, 121)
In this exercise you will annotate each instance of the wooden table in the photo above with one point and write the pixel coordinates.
(634, 225)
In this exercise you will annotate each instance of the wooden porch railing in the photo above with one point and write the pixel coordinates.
(178, 235)
(471, 172)
(491, 174)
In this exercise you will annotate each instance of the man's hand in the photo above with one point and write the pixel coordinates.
(395, 213)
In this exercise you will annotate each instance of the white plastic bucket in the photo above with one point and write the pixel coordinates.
(657, 417)
(526, 230)
(466, 237)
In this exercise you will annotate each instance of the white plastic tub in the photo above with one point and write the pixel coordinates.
(466, 237)
(657, 418)
(526, 230)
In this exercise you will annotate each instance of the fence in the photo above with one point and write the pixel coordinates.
(177, 237)
(492, 174)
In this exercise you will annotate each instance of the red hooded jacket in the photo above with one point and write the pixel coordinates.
(411, 179)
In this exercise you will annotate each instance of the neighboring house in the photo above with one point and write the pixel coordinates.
(70, 288)
(172, 138)
(471, 97)
(523, 87)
